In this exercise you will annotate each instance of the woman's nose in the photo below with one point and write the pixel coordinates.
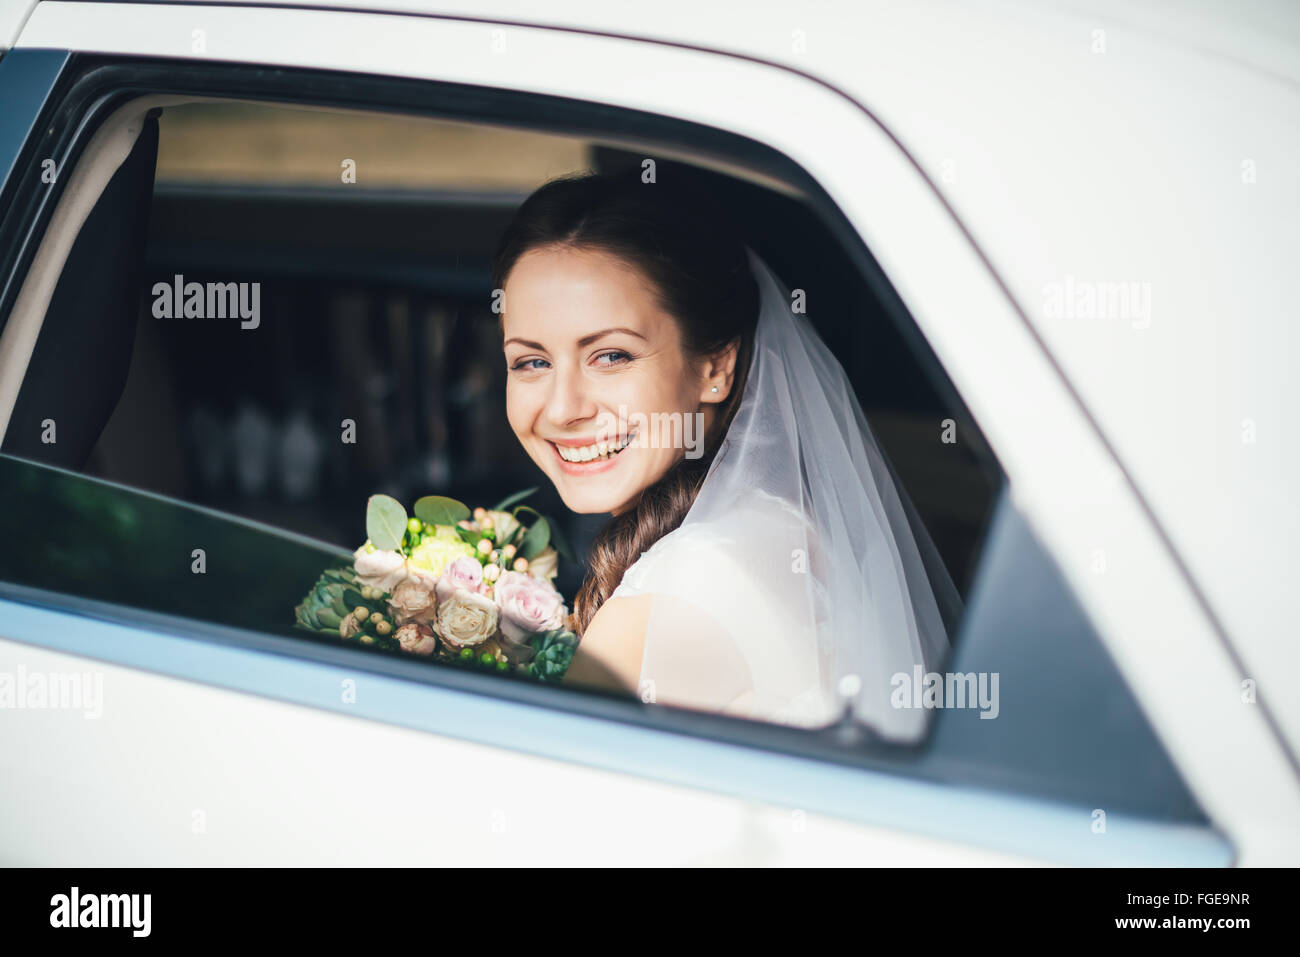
(569, 401)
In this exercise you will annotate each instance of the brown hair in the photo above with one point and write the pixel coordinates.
(696, 263)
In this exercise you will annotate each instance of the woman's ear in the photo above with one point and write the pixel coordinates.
(719, 373)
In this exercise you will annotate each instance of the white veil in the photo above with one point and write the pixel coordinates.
(796, 567)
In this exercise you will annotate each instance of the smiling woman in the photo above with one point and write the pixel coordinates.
(575, 388)
(731, 580)
(625, 303)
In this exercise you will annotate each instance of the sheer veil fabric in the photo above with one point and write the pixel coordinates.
(796, 567)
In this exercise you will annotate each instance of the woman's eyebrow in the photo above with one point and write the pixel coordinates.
(582, 343)
(524, 342)
(588, 340)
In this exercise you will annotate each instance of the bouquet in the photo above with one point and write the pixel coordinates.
(472, 588)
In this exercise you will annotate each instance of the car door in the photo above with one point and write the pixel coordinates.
(216, 747)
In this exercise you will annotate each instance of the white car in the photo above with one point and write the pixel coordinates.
(1081, 220)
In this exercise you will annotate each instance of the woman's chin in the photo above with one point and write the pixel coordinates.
(608, 486)
(589, 497)
(607, 492)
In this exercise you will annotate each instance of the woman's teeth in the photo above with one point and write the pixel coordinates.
(590, 453)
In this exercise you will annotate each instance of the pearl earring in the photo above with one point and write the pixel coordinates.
(715, 388)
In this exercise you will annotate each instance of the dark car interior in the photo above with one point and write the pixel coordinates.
(375, 311)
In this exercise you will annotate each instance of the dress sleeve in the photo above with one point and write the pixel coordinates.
(691, 658)
(727, 627)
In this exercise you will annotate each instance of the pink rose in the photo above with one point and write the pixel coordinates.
(528, 605)
(416, 638)
(379, 569)
(464, 573)
(413, 599)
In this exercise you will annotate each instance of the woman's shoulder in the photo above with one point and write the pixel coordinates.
(686, 550)
(753, 529)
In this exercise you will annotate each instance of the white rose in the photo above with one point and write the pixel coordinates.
(379, 568)
(466, 619)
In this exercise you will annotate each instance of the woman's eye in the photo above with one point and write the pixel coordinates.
(612, 358)
(528, 365)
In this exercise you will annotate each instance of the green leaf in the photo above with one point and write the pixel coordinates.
(385, 522)
(469, 535)
(559, 541)
(440, 510)
(538, 537)
(509, 500)
(352, 598)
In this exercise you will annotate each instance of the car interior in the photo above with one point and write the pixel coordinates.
(374, 298)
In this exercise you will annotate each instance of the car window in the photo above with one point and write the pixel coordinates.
(88, 538)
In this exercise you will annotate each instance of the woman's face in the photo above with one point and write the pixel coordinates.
(598, 388)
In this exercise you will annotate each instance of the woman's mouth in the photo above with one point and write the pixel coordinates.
(592, 457)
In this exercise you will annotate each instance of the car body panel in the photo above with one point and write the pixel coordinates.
(1260, 35)
(274, 783)
(13, 14)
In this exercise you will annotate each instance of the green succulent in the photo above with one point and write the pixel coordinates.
(325, 606)
(554, 654)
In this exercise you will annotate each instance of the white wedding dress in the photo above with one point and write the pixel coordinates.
(725, 639)
(794, 589)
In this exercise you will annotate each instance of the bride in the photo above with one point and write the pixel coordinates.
(759, 561)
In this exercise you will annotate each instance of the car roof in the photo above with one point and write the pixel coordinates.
(1089, 146)
(1261, 34)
